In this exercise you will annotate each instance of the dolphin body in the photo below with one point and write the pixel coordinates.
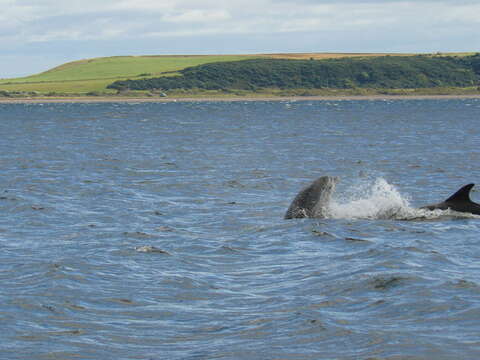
(313, 200)
(460, 201)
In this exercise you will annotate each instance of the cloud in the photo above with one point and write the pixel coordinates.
(50, 20)
(198, 16)
(93, 27)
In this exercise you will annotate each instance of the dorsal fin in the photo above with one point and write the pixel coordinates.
(462, 195)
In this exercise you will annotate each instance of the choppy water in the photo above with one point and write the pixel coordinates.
(156, 231)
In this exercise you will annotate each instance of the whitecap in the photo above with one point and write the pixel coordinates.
(378, 199)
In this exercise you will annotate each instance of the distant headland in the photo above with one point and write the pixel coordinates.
(263, 76)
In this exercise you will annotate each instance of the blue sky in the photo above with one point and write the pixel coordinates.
(36, 35)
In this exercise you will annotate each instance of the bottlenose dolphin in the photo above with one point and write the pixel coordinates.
(460, 201)
(313, 200)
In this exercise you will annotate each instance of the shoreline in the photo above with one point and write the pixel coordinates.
(94, 99)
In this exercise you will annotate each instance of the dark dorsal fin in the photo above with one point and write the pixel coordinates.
(462, 195)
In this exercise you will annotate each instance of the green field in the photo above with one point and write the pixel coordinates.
(92, 76)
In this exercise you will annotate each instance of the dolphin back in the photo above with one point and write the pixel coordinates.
(313, 200)
(460, 201)
(462, 195)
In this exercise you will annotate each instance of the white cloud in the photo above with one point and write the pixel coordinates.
(299, 25)
(46, 20)
(197, 16)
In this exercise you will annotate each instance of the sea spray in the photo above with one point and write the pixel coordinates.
(367, 200)
(377, 199)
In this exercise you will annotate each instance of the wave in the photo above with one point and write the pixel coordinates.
(378, 199)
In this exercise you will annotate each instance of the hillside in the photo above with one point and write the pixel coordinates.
(122, 66)
(93, 76)
(384, 72)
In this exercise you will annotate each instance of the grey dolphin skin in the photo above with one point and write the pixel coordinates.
(460, 201)
(312, 201)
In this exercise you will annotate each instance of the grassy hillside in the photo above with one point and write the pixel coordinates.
(94, 75)
(121, 67)
(383, 72)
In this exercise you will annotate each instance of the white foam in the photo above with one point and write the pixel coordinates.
(378, 199)
(367, 201)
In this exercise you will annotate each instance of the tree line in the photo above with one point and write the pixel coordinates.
(388, 72)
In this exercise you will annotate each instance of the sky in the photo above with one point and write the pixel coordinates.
(36, 35)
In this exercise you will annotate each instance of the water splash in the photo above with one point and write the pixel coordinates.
(381, 200)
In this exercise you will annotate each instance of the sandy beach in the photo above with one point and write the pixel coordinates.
(92, 99)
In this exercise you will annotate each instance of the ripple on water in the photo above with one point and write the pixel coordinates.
(155, 230)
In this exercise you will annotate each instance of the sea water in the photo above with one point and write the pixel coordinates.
(156, 231)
